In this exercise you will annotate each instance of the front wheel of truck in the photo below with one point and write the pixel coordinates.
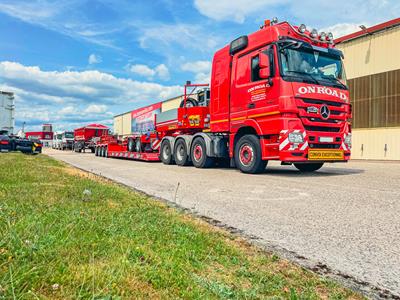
(248, 157)
(309, 167)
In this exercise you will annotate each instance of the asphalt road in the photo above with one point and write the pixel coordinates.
(343, 219)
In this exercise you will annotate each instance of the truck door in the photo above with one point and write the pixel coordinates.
(251, 93)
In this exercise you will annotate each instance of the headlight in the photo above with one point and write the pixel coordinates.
(296, 137)
(347, 140)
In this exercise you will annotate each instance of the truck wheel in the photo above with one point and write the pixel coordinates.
(199, 154)
(248, 155)
(96, 151)
(308, 167)
(181, 156)
(106, 151)
(166, 153)
(92, 149)
(131, 145)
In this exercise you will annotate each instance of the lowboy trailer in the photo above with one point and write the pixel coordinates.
(276, 94)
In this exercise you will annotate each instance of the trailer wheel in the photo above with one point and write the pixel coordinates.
(166, 153)
(199, 154)
(248, 155)
(309, 167)
(131, 145)
(138, 145)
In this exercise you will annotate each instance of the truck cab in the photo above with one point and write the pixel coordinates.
(67, 140)
(283, 90)
(57, 138)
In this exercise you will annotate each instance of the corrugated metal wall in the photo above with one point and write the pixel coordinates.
(373, 66)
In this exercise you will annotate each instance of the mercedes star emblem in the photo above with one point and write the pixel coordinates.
(325, 112)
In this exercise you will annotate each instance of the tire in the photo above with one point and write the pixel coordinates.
(138, 145)
(96, 151)
(92, 149)
(181, 155)
(166, 153)
(248, 155)
(308, 167)
(198, 154)
(190, 102)
(106, 151)
(131, 145)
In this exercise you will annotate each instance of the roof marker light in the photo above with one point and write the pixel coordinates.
(302, 28)
(314, 33)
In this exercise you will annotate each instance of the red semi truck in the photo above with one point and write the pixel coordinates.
(276, 94)
(87, 137)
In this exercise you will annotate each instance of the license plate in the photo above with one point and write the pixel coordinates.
(326, 139)
(325, 155)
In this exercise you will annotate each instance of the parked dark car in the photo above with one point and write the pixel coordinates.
(5, 145)
(28, 146)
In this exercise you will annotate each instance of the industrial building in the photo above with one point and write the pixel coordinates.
(45, 136)
(7, 111)
(372, 67)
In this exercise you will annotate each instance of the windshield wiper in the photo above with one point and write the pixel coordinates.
(338, 82)
(304, 73)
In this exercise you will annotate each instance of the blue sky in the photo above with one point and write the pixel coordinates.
(71, 62)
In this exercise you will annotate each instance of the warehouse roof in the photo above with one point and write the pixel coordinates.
(369, 31)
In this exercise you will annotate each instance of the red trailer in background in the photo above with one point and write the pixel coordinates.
(87, 137)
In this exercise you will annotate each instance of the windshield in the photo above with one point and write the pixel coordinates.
(307, 64)
(69, 135)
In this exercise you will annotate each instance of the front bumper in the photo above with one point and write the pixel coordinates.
(327, 144)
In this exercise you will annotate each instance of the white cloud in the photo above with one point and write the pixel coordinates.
(96, 109)
(339, 30)
(236, 10)
(197, 66)
(174, 38)
(94, 59)
(67, 98)
(67, 110)
(65, 17)
(161, 71)
(201, 69)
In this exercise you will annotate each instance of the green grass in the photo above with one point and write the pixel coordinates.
(58, 243)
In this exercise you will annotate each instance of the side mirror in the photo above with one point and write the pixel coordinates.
(265, 68)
